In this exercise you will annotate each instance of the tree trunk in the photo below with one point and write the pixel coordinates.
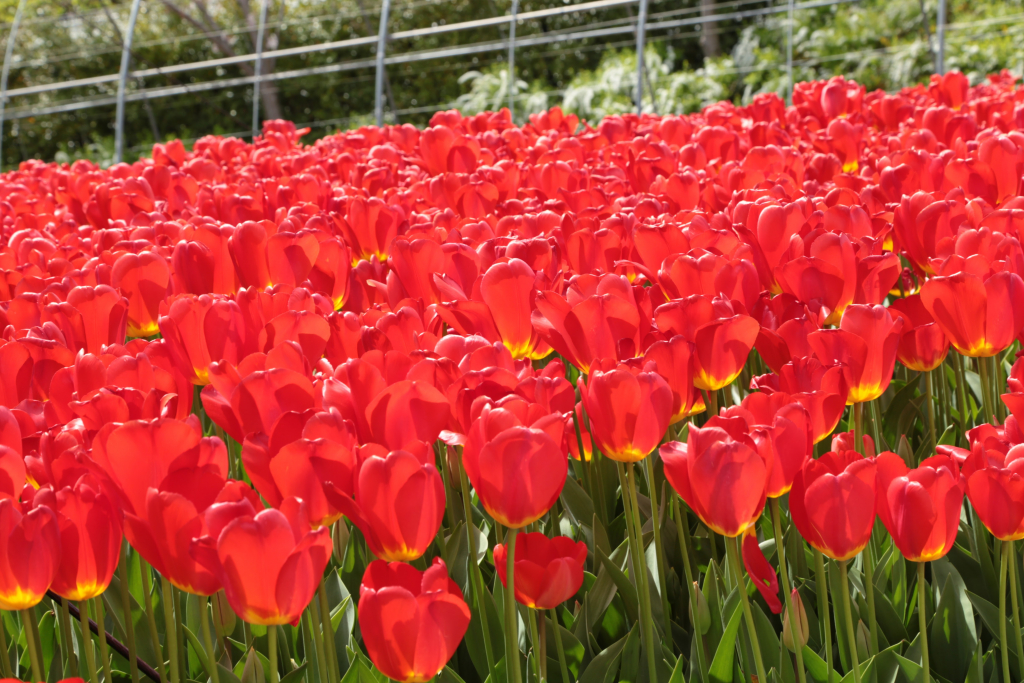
(709, 31)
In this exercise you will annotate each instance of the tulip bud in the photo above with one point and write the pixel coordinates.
(863, 638)
(703, 621)
(224, 618)
(802, 628)
(339, 538)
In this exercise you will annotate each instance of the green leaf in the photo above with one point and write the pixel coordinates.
(628, 672)
(817, 668)
(577, 502)
(447, 675)
(625, 587)
(571, 647)
(197, 648)
(989, 614)
(605, 667)
(725, 654)
(296, 675)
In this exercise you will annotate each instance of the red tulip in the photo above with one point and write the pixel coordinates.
(781, 425)
(90, 538)
(820, 389)
(865, 344)
(548, 571)
(144, 279)
(720, 474)
(90, 318)
(629, 411)
(920, 507)
(827, 276)
(29, 554)
(723, 338)
(1014, 399)
(981, 317)
(995, 488)
(517, 470)
(676, 363)
(832, 503)
(761, 572)
(411, 621)
(923, 346)
(398, 504)
(269, 561)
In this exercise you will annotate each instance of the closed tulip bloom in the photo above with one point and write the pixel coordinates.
(29, 554)
(548, 571)
(820, 389)
(398, 504)
(923, 346)
(629, 411)
(269, 561)
(920, 507)
(411, 621)
(518, 471)
(980, 317)
(995, 486)
(721, 475)
(761, 572)
(832, 503)
(780, 424)
(676, 362)
(865, 344)
(90, 538)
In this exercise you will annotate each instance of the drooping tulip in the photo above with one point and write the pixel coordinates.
(865, 344)
(29, 554)
(548, 571)
(517, 470)
(981, 317)
(398, 504)
(761, 572)
(721, 475)
(832, 503)
(411, 621)
(629, 411)
(269, 561)
(920, 507)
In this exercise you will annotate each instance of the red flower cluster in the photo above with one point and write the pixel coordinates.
(354, 311)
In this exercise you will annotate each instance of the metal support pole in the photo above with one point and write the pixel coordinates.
(940, 30)
(6, 71)
(122, 82)
(382, 42)
(641, 43)
(258, 70)
(789, 51)
(512, 59)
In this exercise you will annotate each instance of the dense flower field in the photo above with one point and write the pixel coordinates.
(664, 399)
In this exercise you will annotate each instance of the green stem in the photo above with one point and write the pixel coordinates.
(1004, 645)
(961, 390)
(318, 642)
(858, 427)
(1013, 597)
(171, 632)
(5, 660)
(151, 620)
(562, 667)
(66, 639)
(101, 620)
(476, 580)
(711, 398)
(922, 620)
(272, 654)
(90, 656)
(931, 408)
(780, 548)
(307, 643)
(646, 617)
(179, 625)
(844, 586)
(535, 639)
(659, 550)
(33, 650)
(986, 389)
(823, 609)
(691, 588)
(204, 625)
(869, 588)
(329, 646)
(732, 547)
(126, 603)
(511, 616)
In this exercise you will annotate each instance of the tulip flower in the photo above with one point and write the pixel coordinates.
(832, 503)
(398, 504)
(781, 425)
(865, 344)
(920, 507)
(629, 411)
(802, 630)
(518, 471)
(761, 571)
(827, 276)
(411, 621)
(923, 346)
(981, 317)
(722, 337)
(674, 361)
(820, 389)
(995, 488)
(721, 474)
(29, 554)
(548, 571)
(270, 562)
(90, 538)
(144, 279)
